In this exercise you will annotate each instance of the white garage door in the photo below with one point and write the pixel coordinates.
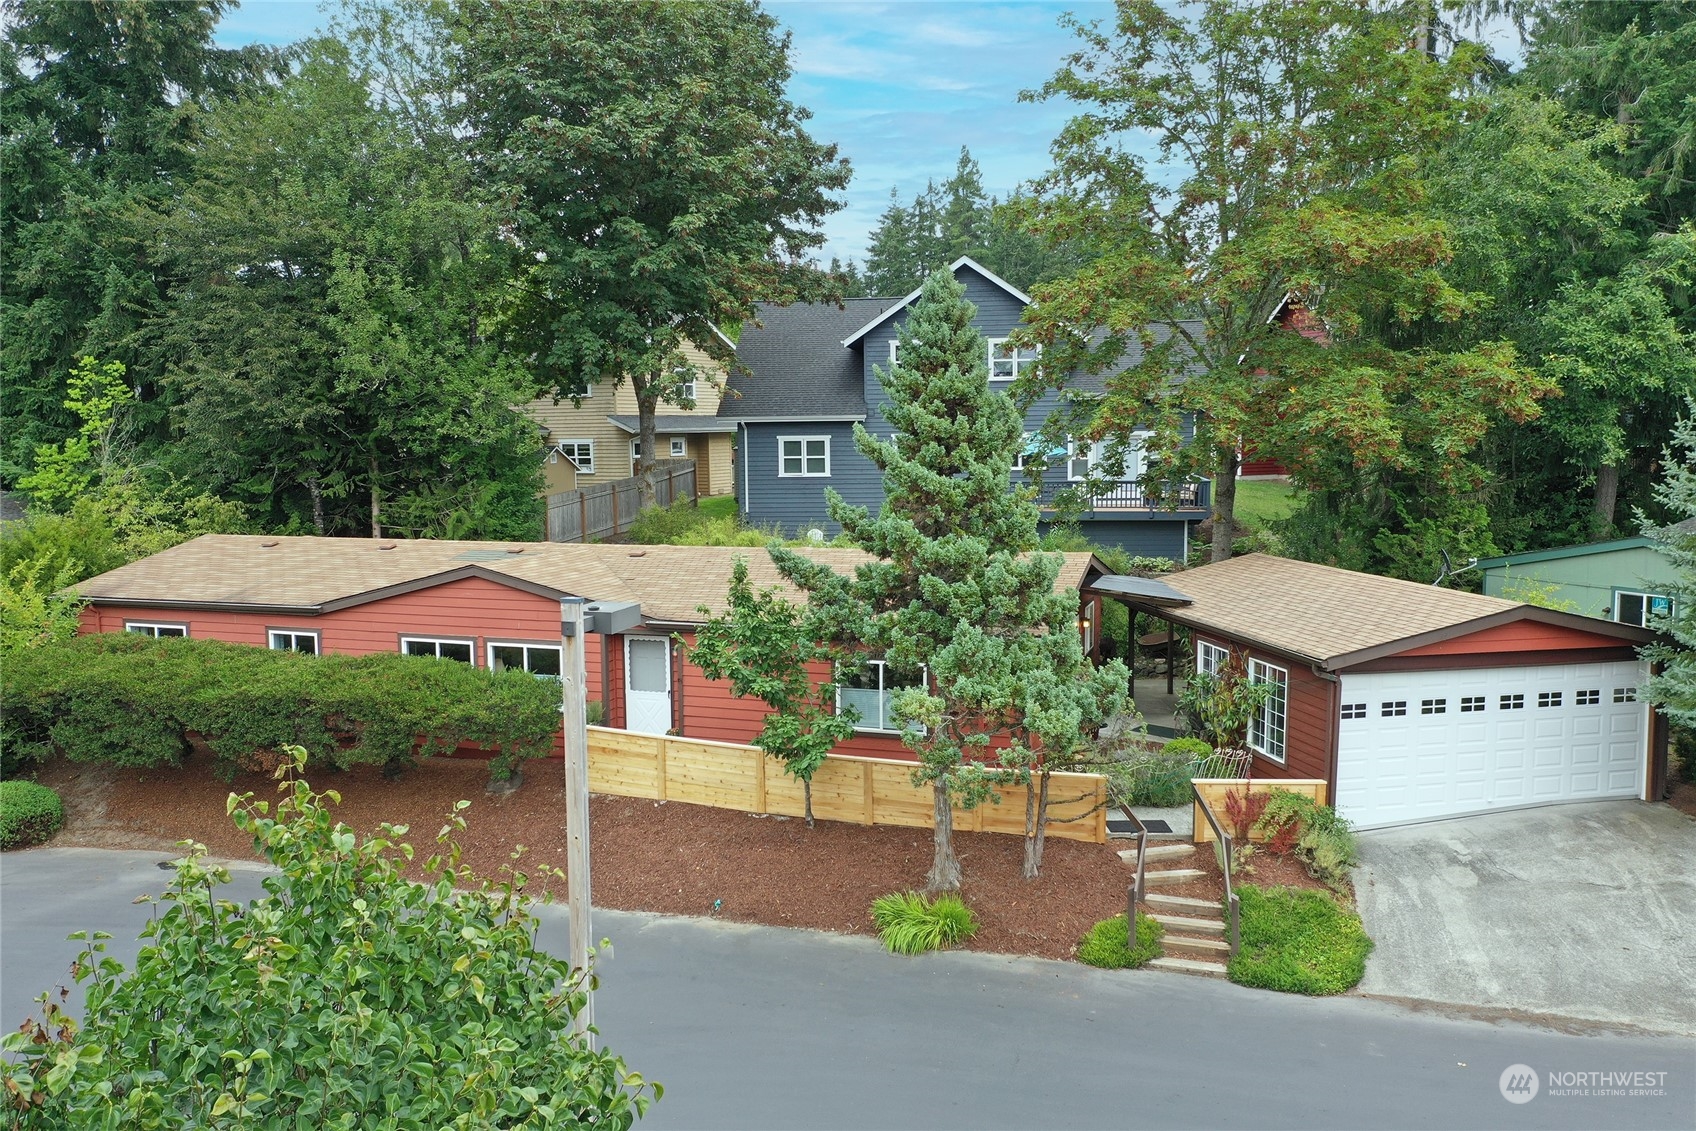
(1418, 746)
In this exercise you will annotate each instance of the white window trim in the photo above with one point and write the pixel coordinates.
(1020, 359)
(152, 627)
(1209, 657)
(439, 640)
(1259, 671)
(271, 635)
(574, 460)
(883, 691)
(489, 647)
(1647, 598)
(894, 344)
(803, 473)
(679, 448)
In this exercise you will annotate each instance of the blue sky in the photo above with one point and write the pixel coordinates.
(900, 86)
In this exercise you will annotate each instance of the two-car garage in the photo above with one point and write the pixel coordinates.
(1418, 703)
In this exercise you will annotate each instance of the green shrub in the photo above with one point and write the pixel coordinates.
(345, 996)
(1299, 942)
(1325, 842)
(1160, 778)
(1107, 944)
(29, 813)
(129, 700)
(911, 924)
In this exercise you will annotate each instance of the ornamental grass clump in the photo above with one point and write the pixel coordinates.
(1108, 944)
(29, 813)
(911, 924)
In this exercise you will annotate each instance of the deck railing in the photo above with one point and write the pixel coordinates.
(1125, 495)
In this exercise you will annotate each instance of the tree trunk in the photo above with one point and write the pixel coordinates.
(1038, 799)
(1607, 498)
(807, 799)
(944, 865)
(1225, 504)
(316, 490)
(647, 388)
(376, 503)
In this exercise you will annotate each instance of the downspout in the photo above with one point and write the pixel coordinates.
(606, 681)
(1333, 729)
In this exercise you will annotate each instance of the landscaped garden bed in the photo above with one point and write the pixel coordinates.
(666, 857)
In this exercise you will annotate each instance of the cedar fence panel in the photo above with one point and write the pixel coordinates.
(866, 791)
(608, 510)
(1215, 789)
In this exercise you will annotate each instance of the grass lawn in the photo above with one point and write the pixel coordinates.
(1300, 942)
(1260, 501)
(719, 506)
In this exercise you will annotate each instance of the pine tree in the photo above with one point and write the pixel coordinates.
(957, 588)
(1674, 689)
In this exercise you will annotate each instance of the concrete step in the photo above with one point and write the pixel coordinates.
(1187, 904)
(1212, 947)
(1189, 966)
(1167, 877)
(1158, 852)
(1192, 926)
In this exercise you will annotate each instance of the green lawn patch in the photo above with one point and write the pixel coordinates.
(719, 506)
(1261, 501)
(1299, 942)
(29, 813)
(1108, 943)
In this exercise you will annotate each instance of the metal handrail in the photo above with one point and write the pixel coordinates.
(1232, 903)
(1134, 893)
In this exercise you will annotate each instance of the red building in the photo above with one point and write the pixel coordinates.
(495, 604)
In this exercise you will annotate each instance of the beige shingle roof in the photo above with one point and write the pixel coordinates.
(1321, 613)
(321, 574)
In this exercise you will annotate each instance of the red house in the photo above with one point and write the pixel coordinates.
(1418, 703)
(494, 604)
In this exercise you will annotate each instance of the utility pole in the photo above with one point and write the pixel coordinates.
(573, 678)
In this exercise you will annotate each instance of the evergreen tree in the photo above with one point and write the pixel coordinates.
(957, 588)
(1674, 689)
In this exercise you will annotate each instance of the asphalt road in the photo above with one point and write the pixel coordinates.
(753, 1027)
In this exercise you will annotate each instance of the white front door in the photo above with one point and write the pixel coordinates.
(1419, 746)
(647, 684)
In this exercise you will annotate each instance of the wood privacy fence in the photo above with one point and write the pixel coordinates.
(867, 791)
(607, 510)
(1215, 789)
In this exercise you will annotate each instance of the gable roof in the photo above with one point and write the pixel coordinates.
(312, 576)
(796, 368)
(1641, 541)
(953, 269)
(1336, 618)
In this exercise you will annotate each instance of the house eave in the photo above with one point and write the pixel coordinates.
(963, 261)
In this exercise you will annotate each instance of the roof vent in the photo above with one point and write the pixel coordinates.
(638, 553)
(266, 545)
(515, 549)
(386, 546)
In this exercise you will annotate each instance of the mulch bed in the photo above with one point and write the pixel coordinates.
(666, 857)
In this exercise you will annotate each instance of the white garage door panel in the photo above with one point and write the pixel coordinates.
(1445, 743)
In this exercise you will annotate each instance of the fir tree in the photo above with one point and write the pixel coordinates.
(957, 587)
(1674, 689)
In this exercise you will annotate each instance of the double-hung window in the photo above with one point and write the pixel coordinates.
(537, 659)
(870, 689)
(1640, 608)
(434, 646)
(1210, 658)
(1008, 362)
(581, 453)
(293, 640)
(1266, 729)
(803, 456)
(153, 628)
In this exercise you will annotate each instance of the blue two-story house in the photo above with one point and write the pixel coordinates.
(809, 379)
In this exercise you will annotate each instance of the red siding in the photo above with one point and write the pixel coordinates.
(1310, 705)
(1520, 636)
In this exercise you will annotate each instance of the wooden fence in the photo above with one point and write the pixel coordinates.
(1215, 789)
(866, 791)
(607, 510)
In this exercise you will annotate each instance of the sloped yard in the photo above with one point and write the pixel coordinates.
(666, 857)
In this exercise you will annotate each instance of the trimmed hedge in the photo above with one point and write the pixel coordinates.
(1299, 942)
(1108, 943)
(29, 813)
(130, 700)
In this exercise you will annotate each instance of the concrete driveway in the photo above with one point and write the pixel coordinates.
(1585, 911)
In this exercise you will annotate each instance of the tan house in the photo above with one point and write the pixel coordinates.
(598, 441)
